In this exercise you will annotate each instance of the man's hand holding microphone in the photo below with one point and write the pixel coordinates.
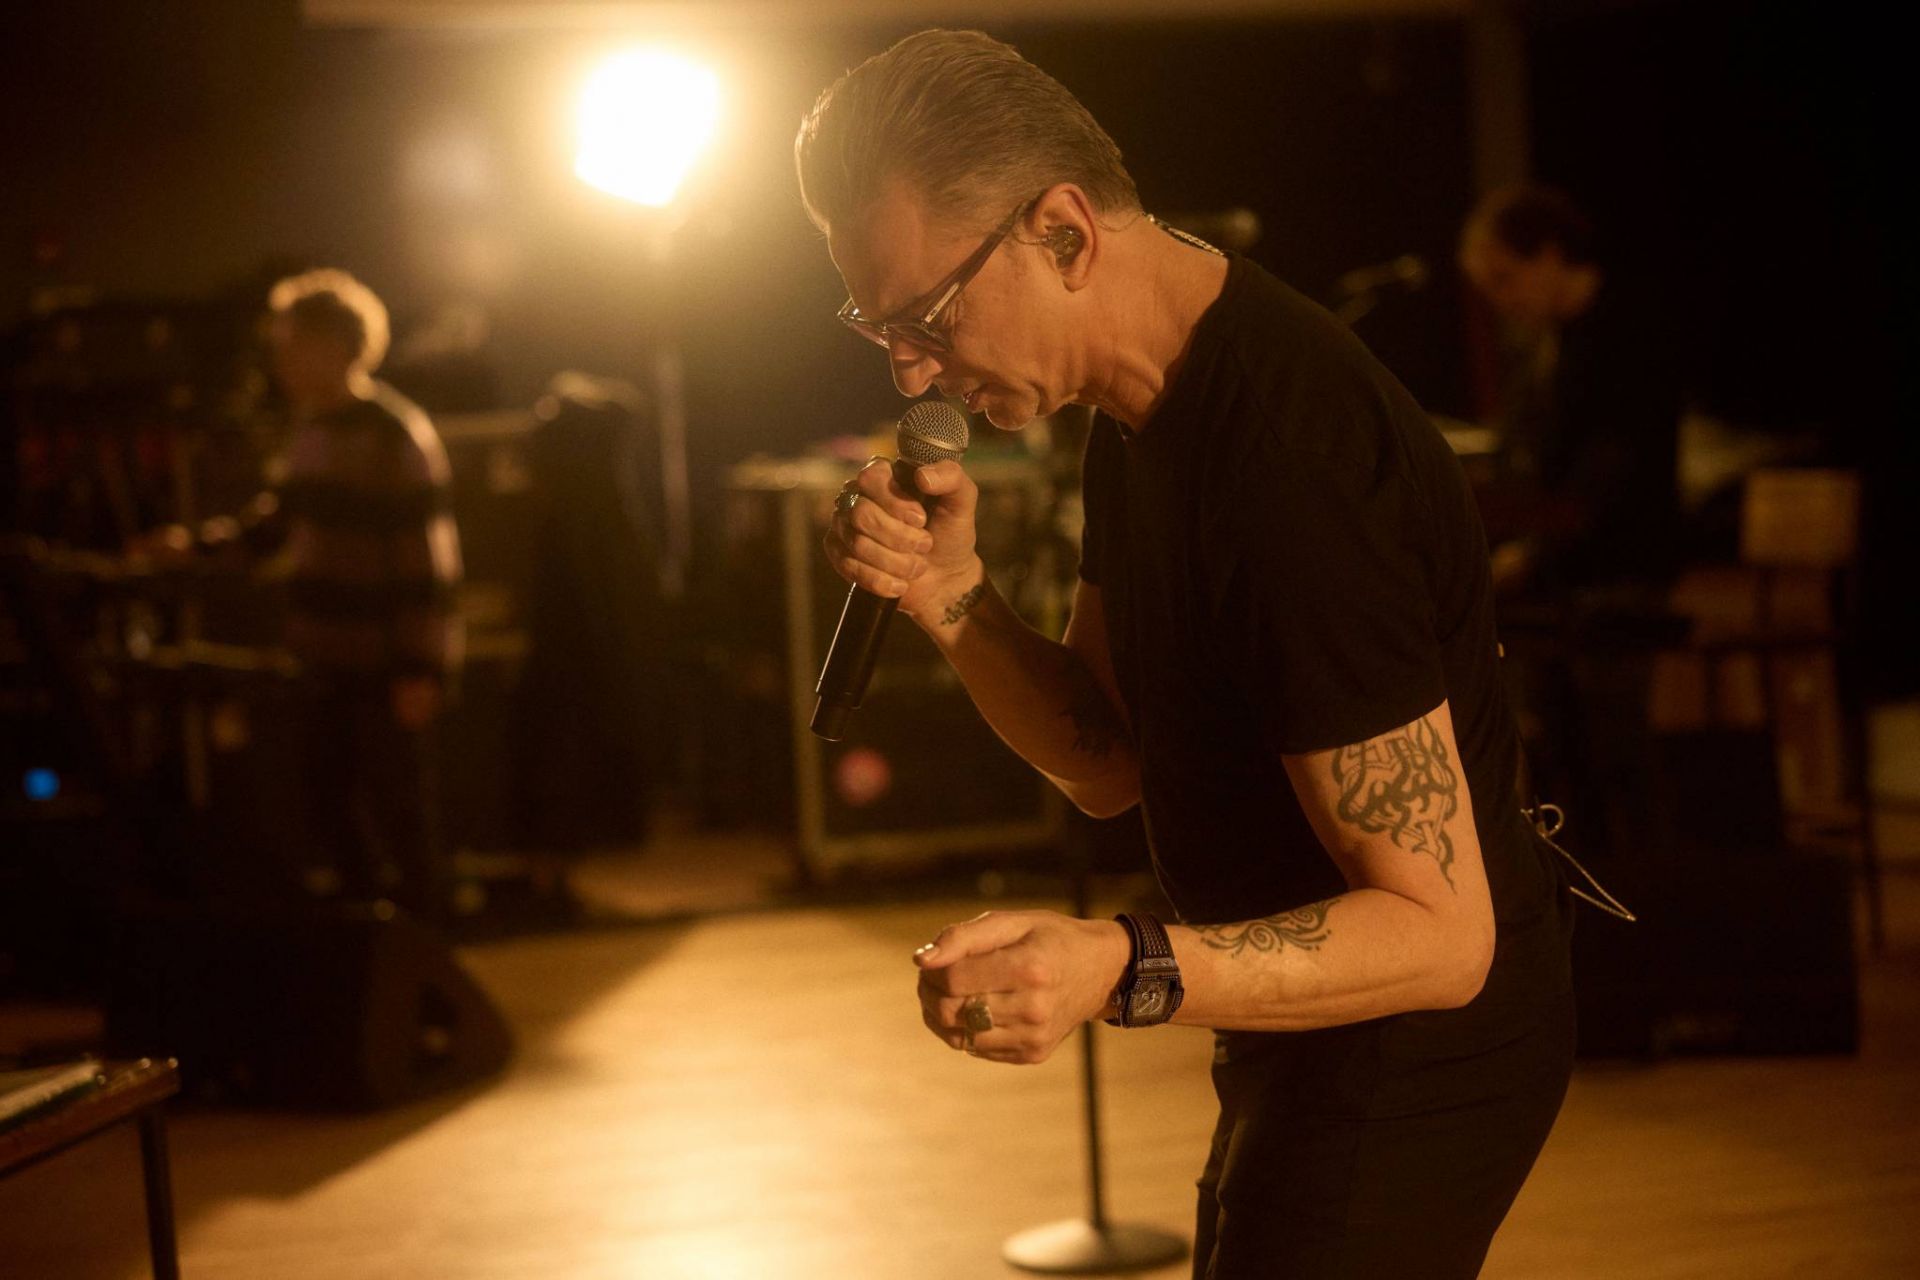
(884, 540)
(887, 535)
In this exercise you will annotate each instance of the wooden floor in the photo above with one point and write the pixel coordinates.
(752, 1098)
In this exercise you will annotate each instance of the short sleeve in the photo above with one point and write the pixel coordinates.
(1325, 608)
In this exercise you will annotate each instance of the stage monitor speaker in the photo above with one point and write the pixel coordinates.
(1743, 945)
(1726, 958)
(326, 1006)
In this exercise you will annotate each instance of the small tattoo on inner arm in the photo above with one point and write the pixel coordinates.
(1095, 726)
(964, 605)
(1303, 927)
(1402, 784)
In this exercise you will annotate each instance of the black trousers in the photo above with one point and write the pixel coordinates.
(1383, 1150)
(370, 798)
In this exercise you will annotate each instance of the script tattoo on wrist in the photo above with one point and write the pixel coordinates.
(1303, 927)
(964, 605)
(1402, 784)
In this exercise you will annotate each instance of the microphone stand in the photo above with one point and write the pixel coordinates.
(1091, 1245)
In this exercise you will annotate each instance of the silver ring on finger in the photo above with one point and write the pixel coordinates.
(975, 1018)
(848, 500)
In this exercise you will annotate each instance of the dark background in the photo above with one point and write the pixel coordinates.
(1749, 155)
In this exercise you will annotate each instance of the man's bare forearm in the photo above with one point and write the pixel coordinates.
(1364, 954)
(1038, 695)
(1416, 929)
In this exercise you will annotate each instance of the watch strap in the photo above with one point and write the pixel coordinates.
(1152, 956)
(1150, 940)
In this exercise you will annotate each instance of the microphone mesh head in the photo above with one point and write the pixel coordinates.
(932, 431)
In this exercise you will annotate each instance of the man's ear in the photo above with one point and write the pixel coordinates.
(1068, 227)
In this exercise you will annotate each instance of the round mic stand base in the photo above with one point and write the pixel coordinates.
(1076, 1247)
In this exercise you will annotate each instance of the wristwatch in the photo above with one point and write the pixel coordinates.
(1149, 991)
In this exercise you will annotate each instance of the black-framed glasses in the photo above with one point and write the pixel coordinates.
(930, 330)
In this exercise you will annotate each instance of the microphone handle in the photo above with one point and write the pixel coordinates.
(856, 644)
(850, 661)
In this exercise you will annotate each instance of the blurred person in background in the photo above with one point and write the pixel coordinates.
(1281, 647)
(358, 520)
(1591, 397)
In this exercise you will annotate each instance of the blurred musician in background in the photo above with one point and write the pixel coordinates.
(1584, 515)
(1591, 399)
(359, 522)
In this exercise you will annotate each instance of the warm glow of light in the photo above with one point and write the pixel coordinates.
(644, 118)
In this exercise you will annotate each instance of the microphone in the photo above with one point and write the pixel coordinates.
(1359, 290)
(931, 431)
(1409, 270)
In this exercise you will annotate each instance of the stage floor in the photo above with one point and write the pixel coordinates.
(752, 1096)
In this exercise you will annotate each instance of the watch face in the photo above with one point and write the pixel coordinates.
(1150, 1001)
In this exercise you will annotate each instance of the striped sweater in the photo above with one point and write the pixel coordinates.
(359, 518)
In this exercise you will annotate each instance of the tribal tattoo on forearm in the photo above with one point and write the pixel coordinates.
(1303, 927)
(1402, 784)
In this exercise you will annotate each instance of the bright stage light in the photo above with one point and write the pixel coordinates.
(644, 117)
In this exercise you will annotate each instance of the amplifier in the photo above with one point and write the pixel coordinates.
(919, 773)
(349, 1007)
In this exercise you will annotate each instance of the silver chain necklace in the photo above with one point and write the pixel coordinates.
(1185, 237)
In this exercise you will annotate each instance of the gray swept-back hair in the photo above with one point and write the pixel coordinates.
(969, 124)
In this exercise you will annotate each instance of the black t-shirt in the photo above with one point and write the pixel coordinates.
(1290, 560)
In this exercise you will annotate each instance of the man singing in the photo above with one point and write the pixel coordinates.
(1281, 646)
